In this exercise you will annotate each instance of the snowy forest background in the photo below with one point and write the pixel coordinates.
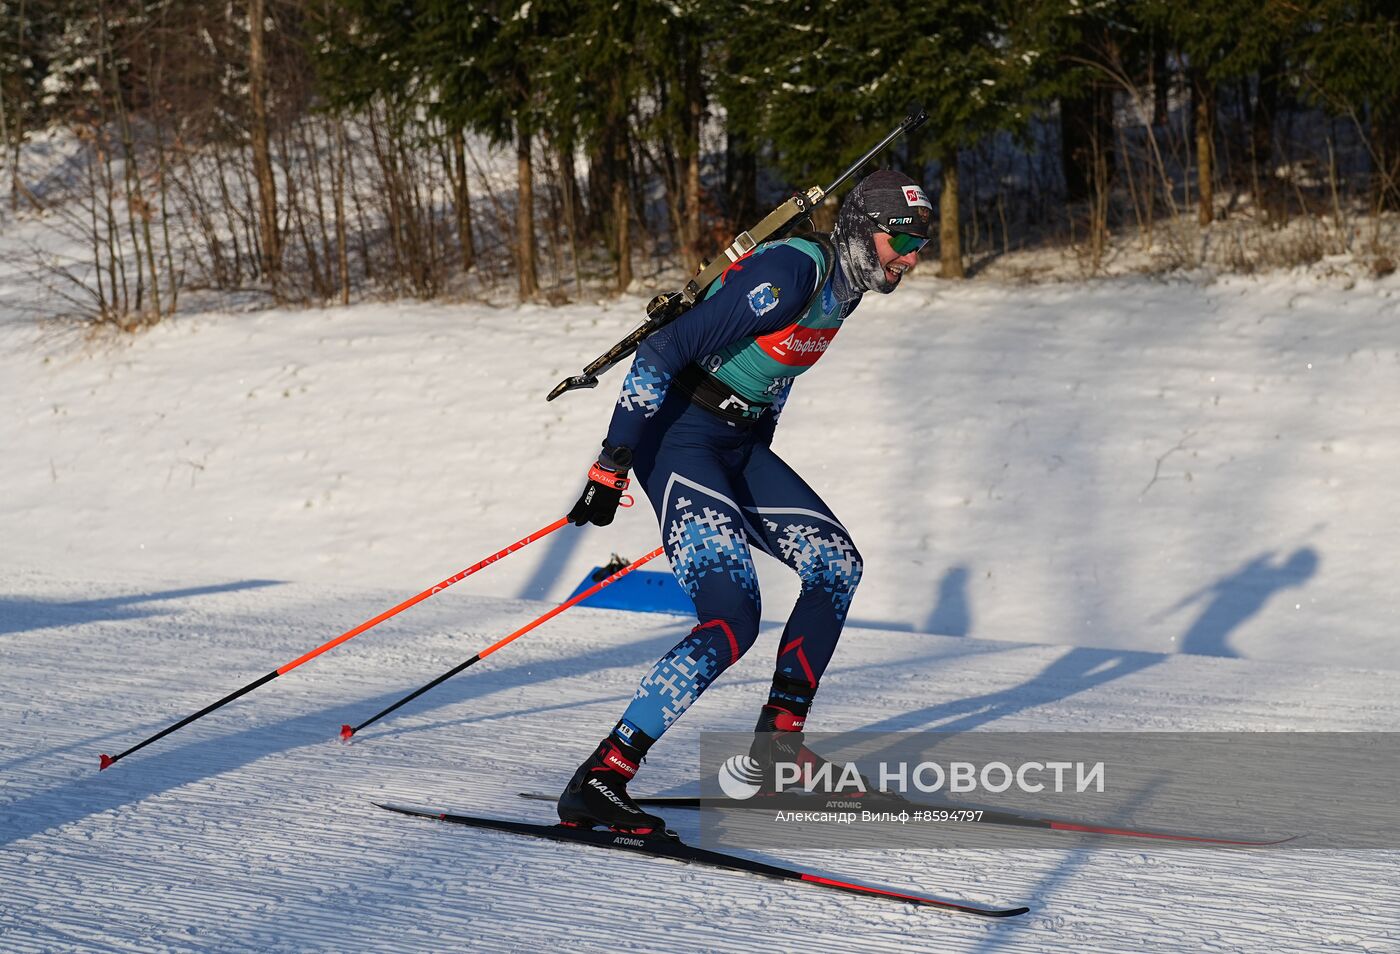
(332, 150)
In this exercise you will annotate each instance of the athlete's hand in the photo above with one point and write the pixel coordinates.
(598, 505)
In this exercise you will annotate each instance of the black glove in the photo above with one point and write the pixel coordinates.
(606, 482)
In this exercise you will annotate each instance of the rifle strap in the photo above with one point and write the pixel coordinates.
(774, 223)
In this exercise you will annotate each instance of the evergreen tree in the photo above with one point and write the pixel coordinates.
(1224, 41)
(835, 75)
(1083, 42)
(1349, 63)
(970, 64)
(805, 77)
(473, 66)
(28, 31)
(595, 74)
(626, 83)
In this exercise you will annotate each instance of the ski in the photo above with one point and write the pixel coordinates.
(878, 801)
(669, 846)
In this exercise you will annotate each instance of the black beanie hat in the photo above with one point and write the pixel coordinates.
(895, 201)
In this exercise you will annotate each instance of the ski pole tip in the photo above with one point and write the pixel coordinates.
(345, 733)
(106, 761)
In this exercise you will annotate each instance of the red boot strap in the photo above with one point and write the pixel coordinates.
(785, 721)
(614, 759)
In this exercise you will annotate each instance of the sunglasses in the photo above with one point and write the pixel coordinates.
(903, 243)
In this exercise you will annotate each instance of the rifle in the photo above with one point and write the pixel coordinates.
(668, 306)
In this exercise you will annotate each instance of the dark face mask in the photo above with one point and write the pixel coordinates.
(854, 238)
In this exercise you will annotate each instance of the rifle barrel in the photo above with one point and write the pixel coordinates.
(911, 122)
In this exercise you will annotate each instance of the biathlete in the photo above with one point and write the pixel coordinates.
(694, 423)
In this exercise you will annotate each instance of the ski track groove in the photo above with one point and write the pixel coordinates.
(253, 829)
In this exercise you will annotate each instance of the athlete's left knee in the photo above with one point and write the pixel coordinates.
(829, 561)
(851, 578)
(844, 570)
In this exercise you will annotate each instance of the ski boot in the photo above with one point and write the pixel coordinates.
(597, 794)
(778, 737)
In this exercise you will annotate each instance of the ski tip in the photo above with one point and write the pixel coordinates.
(414, 812)
(915, 899)
(345, 733)
(106, 761)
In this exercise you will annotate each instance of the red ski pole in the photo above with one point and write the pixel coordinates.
(346, 731)
(349, 634)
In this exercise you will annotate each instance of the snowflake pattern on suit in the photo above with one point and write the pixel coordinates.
(644, 388)
(708, 541)
(830, 562)
(679, 677)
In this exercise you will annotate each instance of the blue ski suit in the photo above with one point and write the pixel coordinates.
(698, 409)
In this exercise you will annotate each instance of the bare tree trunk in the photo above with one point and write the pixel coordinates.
(569, 183)
(136, 205)
(598, 194)
(949, 231)
(1385, 136)
(17, 136)
(567, 150)
(310, 280)
(1267, 192)
(525, 217)
(1086, 129)
(741, 181)
(248, 215)
(13, 147)
(554, 195)
(417, 226)
(1161, 83)
(4, 142)
(338, 196)
(116, 257)
(419, 219)
(1202, 95)
(325, 283)
(389, 194)
(234, 217)
(96, 233)
(621, 214)
(136, 209)
(262, 155)
(465, 237)
(163, 172)
(693, 251)
(695, 109)
(362, 227)
(1076, 127)
(669, 165)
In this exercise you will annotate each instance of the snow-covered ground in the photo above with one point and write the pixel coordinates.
(1137, 464)
(1095, 493)
(253, 829)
